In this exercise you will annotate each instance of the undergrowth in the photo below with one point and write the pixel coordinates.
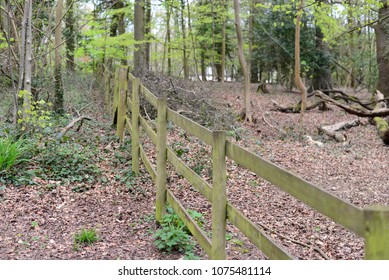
(174, 236)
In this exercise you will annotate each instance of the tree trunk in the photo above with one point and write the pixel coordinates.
(184, 50)
(243, 64)
(139, 35)
(322, 79)
(203, 66)
(382, 45)
(297, 78)
(193, 41)
(148, 34)
(26, 58)
(69, 35)
(223, 58)
(58, 103)
(168, 38)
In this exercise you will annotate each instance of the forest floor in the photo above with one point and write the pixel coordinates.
(39, 221)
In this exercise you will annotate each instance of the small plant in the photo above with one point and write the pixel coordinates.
(12, 152)
(34, 224)
(85, 237)
(179, 148)
(174, 235)
(35, 115)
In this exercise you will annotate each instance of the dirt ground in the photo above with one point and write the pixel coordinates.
(355, 170)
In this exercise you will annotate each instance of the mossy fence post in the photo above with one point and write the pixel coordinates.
(135, 141)
(219, 196)
(161, 158)
(108, 101)
(376, 232)
(115, 97)
(122, 102)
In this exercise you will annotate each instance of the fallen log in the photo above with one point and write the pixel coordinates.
(296, 108)
(381, 124)
(335, 130)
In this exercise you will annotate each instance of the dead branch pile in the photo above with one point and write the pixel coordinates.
(189, 98)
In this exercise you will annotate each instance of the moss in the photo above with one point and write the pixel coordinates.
(381, 124)
(383, 129)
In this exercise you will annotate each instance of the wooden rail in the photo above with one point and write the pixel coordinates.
(371, 223)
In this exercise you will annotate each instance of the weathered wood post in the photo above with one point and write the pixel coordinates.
(115, 97)
(135, 141)
(161, 158)
(376, 232)
(122, 101)
(108, 98)
(219, 196)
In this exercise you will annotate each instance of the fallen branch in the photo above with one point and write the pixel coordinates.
(272, 126)
(333, 130)
(360, 112)
(296, 108)
(71, 124)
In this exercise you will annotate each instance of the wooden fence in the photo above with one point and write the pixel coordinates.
(371, 223)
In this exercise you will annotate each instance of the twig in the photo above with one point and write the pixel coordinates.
(316, 249)
(174, 88)
(272, 126)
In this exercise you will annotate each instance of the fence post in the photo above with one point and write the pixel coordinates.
(376, 232)
(219, 196)
(108, 101)
(135, 141)
(122, 102)
(161, 159)
(115, 96)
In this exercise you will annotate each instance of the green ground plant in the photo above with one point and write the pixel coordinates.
(12, 152)
(174, 236)
(85, 237)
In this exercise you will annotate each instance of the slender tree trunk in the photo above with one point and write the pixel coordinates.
(166, 46)
(139, 35)
(251, 38)
(184, 48)
(351, 46)
(26, 58)
(243, 64)
(59, 100)
(148, 34)
(203, 66)
(7, 22)
(223, 58)
(297, 78)
(193, 41)
(382, 45)
(69, 35)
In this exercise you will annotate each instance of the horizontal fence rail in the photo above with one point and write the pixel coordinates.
(371, 223)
